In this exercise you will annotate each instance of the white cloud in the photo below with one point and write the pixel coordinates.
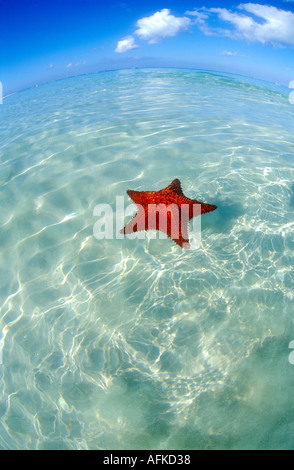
(199, 16)
(69, 65)
(229, 53)
(253, 22)
(80, 63)
(160, 25)
(126, 44)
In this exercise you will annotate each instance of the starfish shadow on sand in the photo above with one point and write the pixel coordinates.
(224, 218)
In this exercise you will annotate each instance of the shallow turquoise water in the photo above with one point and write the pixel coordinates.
(137, 344)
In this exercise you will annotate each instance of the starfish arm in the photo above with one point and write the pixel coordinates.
(129, 228)
(207, 208)
(183, 243)
(175, 187)
(138, 222)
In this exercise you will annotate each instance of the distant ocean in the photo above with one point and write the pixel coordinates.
(138, 344)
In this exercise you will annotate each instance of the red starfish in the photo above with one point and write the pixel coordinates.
(168, 210)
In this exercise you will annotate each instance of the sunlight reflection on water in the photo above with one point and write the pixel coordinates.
(121, 344)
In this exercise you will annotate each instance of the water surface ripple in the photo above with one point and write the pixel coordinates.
(137, 344)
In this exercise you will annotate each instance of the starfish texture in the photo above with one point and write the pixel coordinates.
(167, 210)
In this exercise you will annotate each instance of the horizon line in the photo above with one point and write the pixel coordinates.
(145, 68)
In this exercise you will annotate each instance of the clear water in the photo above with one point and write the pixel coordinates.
(137, 344)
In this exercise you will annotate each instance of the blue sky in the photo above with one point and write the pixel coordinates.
(44, 40)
